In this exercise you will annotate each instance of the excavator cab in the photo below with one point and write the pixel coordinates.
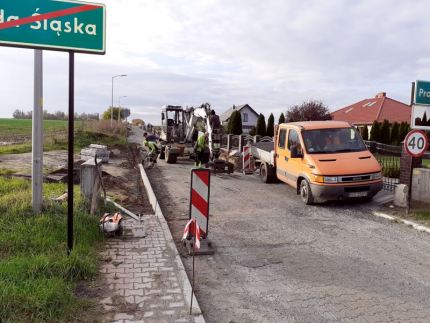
(173, 124)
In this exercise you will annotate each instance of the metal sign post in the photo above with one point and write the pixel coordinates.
(37, 134)
(63, 25)
(70, 166)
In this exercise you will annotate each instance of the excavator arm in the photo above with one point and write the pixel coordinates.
(195, 115)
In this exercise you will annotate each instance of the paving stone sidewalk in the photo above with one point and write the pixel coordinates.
(142, 275)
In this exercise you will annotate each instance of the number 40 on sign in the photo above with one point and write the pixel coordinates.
(416, 143)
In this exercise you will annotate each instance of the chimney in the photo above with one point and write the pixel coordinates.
(381, 95)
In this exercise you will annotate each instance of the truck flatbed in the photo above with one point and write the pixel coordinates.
(264, 151)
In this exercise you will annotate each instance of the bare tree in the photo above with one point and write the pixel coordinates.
(308, 111)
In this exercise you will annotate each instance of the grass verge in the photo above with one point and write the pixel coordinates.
(37, 278)
(82, 139)
(423, 217)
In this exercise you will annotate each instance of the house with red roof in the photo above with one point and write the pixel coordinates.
(381, 107)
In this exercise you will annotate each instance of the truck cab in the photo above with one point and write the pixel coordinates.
(325, 160)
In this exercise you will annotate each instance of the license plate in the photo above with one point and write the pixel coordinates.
(357, 194)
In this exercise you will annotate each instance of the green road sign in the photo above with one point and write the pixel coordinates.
(422, 92)
(53, 24)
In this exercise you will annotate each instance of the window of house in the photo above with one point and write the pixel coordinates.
(281, 141)
(245, 117)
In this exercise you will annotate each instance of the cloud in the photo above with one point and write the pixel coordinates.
(269, 54)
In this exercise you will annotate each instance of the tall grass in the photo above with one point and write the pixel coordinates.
(37, 279)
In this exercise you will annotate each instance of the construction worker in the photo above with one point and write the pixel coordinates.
(151, 146)
(214, 121)
(200, 149)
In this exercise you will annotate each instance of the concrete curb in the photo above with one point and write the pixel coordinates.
(416, 226)
(183, 278)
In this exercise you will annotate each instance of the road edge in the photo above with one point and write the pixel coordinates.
(186, 286)
(416, 226)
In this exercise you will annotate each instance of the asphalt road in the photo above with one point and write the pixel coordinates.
(278, 260)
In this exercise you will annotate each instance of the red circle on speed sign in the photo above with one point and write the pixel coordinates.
(416, 143)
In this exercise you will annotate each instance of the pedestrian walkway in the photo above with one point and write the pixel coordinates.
(142, 275)
(144, 272)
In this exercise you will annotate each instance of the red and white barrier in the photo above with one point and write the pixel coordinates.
(247, 167)
(199, 198)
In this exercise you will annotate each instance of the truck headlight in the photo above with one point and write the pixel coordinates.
(317, 178)
(330, 179)
(376, 176)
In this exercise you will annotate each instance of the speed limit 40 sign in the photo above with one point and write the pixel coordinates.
(416, 143)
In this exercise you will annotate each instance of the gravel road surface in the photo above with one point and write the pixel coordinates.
(278, 260)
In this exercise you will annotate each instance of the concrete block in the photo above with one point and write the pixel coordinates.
(400, 195)
(421, 185)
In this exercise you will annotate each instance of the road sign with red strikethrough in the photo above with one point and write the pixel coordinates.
(416, 143)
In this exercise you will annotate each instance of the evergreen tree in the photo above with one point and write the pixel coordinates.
(395, 134)
(270, 125)
(404, 129)
(281, 118)
(375, 131)
(235, 123)
(253, 131)
(385, 132)
(365, 133)
(261, 125)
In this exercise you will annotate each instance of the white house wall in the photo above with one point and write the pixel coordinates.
(252, 118)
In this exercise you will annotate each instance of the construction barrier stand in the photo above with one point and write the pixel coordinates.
(199, 198)
(247, 167)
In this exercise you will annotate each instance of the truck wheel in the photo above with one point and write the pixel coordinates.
(170, 158)
(267, 173)
(306, 193)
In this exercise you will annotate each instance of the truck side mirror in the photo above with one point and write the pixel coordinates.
(162, 116)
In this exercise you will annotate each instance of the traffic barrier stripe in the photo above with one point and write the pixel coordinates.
(199, 202)
(199, 198)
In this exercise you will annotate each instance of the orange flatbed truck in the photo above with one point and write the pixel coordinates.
(323, 160)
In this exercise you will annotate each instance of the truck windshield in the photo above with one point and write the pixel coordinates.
(328, 141)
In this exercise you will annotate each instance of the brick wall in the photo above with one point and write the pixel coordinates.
(405, 166)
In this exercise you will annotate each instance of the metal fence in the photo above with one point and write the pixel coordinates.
(389, 158)
(230, 142)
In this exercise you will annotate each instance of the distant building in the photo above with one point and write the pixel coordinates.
(249, 116)
(381, 107)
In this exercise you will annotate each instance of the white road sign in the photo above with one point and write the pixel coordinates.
(416, 143)
(420, 118)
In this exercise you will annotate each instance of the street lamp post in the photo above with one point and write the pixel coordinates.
(111, 108)
(119, 106)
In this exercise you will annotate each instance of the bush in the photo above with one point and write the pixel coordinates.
(385, 132)
(235, 123)
(395, 134)
(375, 131)
(270, 125)
(261, 125)
(281, 118)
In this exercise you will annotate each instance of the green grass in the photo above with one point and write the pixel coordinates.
(82, 139)
(22, 127)
(423, 216)
(37, 279)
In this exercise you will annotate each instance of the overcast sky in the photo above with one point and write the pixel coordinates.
(270, 54)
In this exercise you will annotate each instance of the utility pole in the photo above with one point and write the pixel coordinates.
(111, 108)
(37, 134)
(119, 107)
